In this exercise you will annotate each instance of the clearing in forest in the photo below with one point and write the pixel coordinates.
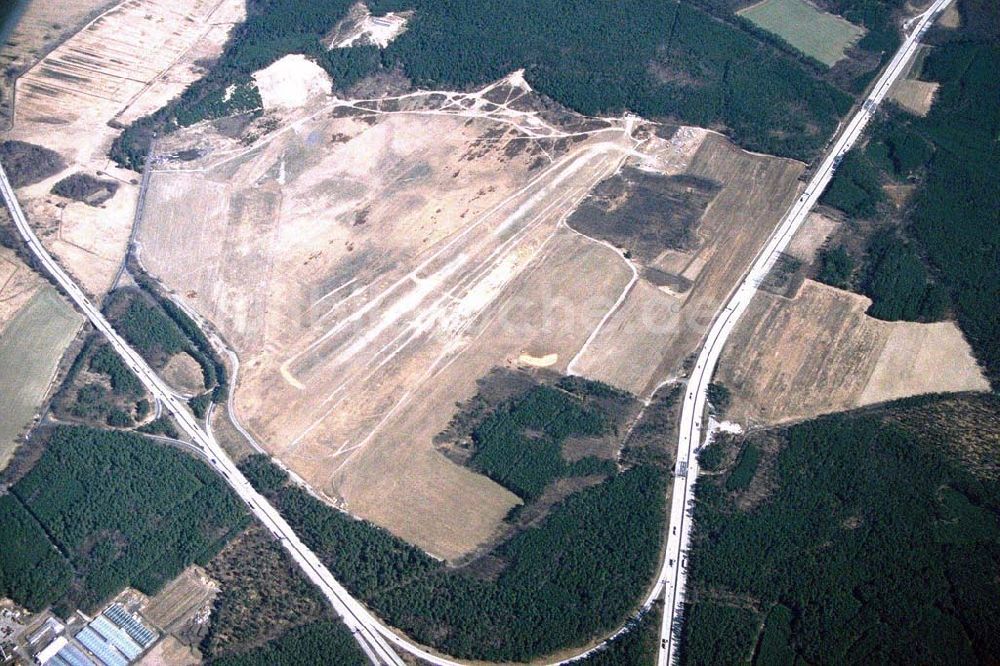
(31, 343)
(812, 31)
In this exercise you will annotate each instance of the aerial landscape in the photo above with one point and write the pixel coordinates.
(499, 331)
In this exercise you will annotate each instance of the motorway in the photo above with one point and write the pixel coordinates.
(372, 635)
(673, 574)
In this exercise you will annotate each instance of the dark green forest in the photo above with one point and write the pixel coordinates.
(324, 642)
(103, 510)
(558, 584)
(874, 544)
(658, 59)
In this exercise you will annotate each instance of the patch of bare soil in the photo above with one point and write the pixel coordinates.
(184, 374)
(818, 353)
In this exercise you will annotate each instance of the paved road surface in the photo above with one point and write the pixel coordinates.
(371, 635)
(673, 574)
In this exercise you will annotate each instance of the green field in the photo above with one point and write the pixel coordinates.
(815, 33)
(30, 347)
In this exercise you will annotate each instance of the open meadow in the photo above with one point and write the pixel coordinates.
(31, 343)
(815, 33)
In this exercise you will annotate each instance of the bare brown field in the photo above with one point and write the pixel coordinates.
(171, 652)
(663, 328)
(41, 28)
(182, 600)
(18, 284)
(915, 96)
(819, 353)
(125, 63)
(950, 18)
(369, 261)
(811, 236)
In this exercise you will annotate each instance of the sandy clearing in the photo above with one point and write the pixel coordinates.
(923, 358)
(183, 374)
(171, 652)
(378, 252)
(360, 27)
(819, 353)
(811, 236)
(915, 96)
(291, 82)
(538, 361)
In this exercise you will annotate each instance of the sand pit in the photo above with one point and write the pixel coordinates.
(545, 361)
(291, 82)
(819, 353)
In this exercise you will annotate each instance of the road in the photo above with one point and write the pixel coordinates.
(673, 574)
(373, 637)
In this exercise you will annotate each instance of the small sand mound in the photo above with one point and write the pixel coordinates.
(538, 361)
(291, 82)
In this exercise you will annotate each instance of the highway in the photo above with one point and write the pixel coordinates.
(673, 573)
(373, 637)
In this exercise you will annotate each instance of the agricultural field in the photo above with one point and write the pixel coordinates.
(127, 61)
(408, 246)
(812, 31)
(32, 340)
(819, 353)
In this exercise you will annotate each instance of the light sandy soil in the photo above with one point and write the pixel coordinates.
(291, 81)
(819, 353)
(915, 96)
(662, 328)
(182, 599)
(114, 68)
(360, 27)
(170, 652)
(184, 374)
(369, 266)
(923, 358)
(811, 236)
(18, 284)
(950, 18)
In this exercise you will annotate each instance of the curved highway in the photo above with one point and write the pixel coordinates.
(673, 573)
(374, 637)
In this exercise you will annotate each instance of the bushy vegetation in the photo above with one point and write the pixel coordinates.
(897, 282)
(836, 267)
(145, 326)
(719, 396)
(27, 164)
(199, 405)
(325, 642)
(746, 466)
(855, 189)
(213, 369)
(122, 510)
(569, 578)
(654, 58)
(948, 256)
(161, 426)
(520, 445)
(123, 382)
(956, 214)
(637, 647)
(875, 546)
(263, 595)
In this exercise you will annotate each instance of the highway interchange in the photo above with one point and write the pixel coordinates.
(374, 637)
